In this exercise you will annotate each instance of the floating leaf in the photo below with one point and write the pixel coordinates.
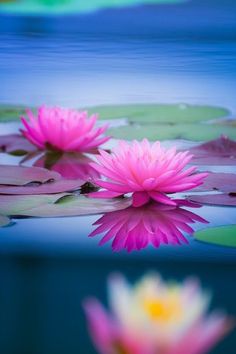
(221, 151)
(154, 132)
(20, 175)
(222, 236)
(15, 144)
(54, 187)
(141, 113)
(215, 199)
(10, 113)
(17, 204)
(161, 113)
(76, 205)
(224, 182)
(4, 220)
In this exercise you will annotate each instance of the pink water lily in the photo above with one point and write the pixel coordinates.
(155, 317)
(63, 129)
(146, 170)
(156, 224)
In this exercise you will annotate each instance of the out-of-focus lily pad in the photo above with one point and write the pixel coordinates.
(4, 220)
(54, 187)
(160, 113)
(215, 199)
(72, 6)
(20, 175)
(222, 236)
(196, 132)
(10, 113)
(140, 113)
(17, 204)
(221, 151)
(224, 182)
(15, 144)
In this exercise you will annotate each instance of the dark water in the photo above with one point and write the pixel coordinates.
(47, 266)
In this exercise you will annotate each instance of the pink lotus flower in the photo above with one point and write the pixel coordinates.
(69, 165)
(146, 170)
(134, 228)
(155, 317)
(63, 129)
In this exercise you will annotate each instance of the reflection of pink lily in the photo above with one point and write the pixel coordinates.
(69, 165)
(134, 228)
(155, 317)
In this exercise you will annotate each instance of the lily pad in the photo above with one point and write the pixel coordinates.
(70, 206)
(222, 236)
(215, 199)
(10, 113)
(224, 182)
(221, 151)
(196, 132)
(17, 204)
(4, 220)
(15, 144)
(54, 187)
(161, 113)
(20, 175)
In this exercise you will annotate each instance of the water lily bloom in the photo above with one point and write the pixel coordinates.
(156, 224)
(146, 170)
(154, 317)
(70, 165)
(63, 129)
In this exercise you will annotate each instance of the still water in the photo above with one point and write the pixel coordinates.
(47, 266)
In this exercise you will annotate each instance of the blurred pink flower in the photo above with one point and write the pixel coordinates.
(134, 228)
(154, 317)
(69, 165)
(63, 129)
(146, 170)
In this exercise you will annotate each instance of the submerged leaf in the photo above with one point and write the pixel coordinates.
(215, 199)
(20, 176)
(223, 235)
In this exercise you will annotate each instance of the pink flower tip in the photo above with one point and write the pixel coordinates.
(147, 171)
(63, 129)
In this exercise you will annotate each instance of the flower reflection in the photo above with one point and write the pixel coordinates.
(134, 228)
(69, 165)
(155, 317)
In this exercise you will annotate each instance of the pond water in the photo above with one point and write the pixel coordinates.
(48, 265)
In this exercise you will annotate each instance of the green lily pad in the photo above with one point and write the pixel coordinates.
(196, 132)
(17, 204)
(160, 113)
(222, 236)
(140, 113)
(10, 113)
(78, 205)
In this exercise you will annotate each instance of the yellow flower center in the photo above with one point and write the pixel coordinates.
(164, 310)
